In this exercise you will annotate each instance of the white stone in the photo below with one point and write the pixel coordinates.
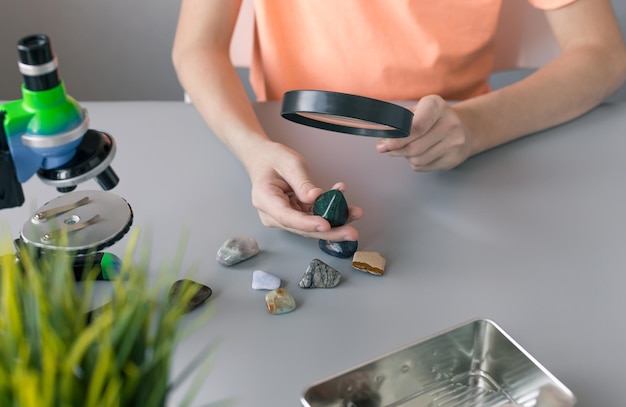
(262, 280)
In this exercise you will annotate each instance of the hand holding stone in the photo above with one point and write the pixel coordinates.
(283, 193)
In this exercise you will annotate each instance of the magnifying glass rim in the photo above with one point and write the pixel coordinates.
(396, 117)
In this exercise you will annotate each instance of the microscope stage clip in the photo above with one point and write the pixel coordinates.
(43, 216)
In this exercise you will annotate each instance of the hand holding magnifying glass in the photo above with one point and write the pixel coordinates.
(440, 140)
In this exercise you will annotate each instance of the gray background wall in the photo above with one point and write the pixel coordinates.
(107, 49)
(116, 49)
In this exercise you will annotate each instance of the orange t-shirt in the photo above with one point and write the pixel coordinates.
(386, 49)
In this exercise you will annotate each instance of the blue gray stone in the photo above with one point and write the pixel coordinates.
(237, 249)
(343, 250)
(262, 280)
(319, 275)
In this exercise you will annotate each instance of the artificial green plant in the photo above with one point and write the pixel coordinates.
(57, 351)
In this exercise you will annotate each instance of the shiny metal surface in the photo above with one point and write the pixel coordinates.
(475, 364)
(88, 220)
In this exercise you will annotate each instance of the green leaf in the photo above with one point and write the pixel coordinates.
(55, 351)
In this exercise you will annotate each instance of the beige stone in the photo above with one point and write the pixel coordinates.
(369, 262)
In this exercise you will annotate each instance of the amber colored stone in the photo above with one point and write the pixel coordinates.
(370, 262)
(332, 206)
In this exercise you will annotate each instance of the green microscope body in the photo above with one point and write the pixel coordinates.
(47, 132)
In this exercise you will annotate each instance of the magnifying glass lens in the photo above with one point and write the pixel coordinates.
(346, 113)
(345, 121)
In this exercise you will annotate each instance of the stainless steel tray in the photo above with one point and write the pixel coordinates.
(475, 364)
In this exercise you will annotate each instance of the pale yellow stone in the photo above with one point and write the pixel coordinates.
(370, 262)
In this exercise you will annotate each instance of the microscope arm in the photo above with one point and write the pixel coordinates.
(11, 193)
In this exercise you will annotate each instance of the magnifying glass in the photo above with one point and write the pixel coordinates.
(347, 113)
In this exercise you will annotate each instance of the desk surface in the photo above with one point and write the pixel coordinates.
(530, 235)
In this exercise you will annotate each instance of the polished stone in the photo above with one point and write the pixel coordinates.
(370, 262)
(279, 301)
(262, 280)
(343, 250)
(319, 275)
(237, 249)
(201, 293)
(332, 206)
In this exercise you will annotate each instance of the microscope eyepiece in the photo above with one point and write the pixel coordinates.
(35, 50)
(37, 62)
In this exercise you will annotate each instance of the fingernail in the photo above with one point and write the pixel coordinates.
(320, 228)
(381, 148)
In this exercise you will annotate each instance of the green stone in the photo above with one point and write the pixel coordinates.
(332, 206)
(197, 295)
(279, 301)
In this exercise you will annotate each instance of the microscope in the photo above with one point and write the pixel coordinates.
(47, 132)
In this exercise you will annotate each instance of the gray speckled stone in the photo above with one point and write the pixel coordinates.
(319, 275)
(237, 249)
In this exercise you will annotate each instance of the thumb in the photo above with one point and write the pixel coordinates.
(305, 190)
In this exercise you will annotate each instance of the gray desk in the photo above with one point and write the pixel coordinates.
(530, 235)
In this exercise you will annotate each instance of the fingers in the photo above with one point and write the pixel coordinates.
(311, 226)
(425, 115)
(306, 224)
(340, 186)
(354, 213)
(438, 139)
(298, 178)
(444, 155)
